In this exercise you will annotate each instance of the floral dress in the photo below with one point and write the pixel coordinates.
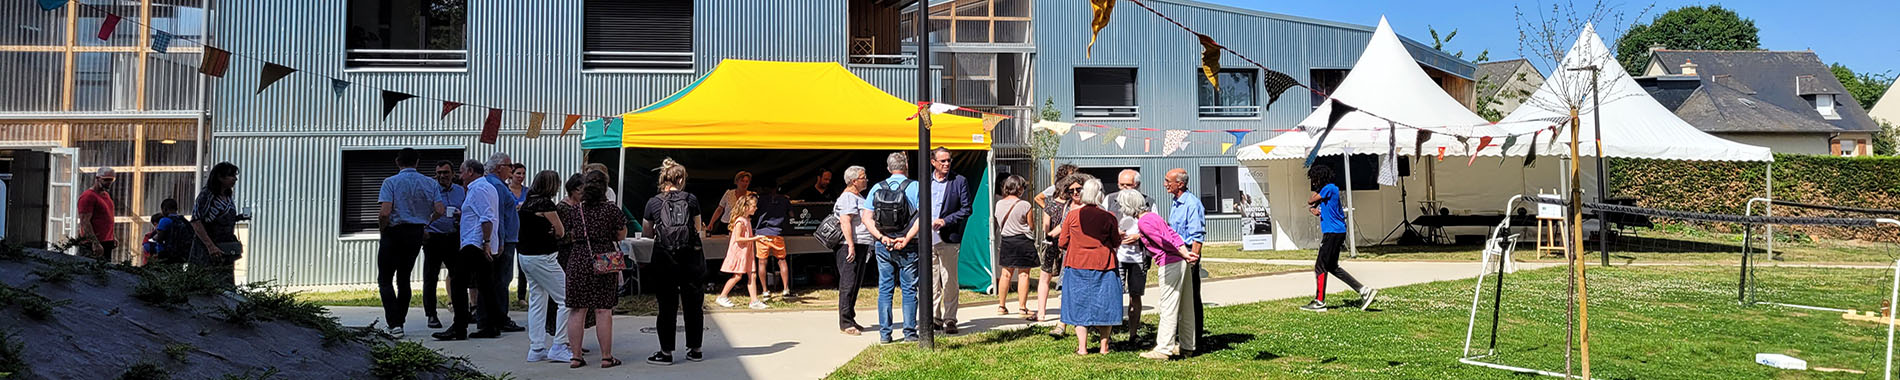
(593, 228)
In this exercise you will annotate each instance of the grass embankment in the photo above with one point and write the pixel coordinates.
(1646, 323)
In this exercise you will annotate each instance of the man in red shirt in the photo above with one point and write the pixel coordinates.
(95, 217)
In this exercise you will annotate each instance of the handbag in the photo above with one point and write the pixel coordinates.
(828, 232)
(604, 263)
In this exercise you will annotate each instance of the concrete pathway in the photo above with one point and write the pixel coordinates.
(804, 344)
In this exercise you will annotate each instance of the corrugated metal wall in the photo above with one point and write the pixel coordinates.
(522, 55)
(1167, 61)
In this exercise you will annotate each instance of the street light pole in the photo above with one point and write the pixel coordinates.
(926, 337)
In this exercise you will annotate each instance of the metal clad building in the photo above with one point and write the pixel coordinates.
(290, 139)
(1165, 61)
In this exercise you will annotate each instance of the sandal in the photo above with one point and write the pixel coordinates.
(609, 362)
(576, 363)
(1031, 316)
(1082, 352)
(1002, 310)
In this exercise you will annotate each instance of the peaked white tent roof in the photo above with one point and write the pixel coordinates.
(1388, 83)
(1634, 124)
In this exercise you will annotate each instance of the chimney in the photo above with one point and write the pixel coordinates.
(1656, 46)
(1688, 67)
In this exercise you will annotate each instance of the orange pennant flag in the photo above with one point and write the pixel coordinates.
(1210, 60)
(1103, 9)
(569, 123)
(1266, 149)
(990, 120)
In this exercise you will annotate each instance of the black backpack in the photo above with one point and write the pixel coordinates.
(674, 231)
(892, 208)
(175, 241)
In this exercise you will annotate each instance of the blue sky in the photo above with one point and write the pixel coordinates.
(1862, 34)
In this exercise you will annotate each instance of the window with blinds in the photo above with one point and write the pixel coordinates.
(637, 35)
(363, 175)
(416, 35)
(1105, 93)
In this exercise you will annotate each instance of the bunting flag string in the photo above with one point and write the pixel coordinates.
(447, 107)
(1121, 142)
(1267, 149)
(491, 128)
(338, 85)
(1176, 140)
(1224, 147)
(534, 124)
(1086, 135)
(270, 74)
(1239, 134)
(941, 107)
(1056, 127)
(569, 123)
(390, 99)
(1482, 143)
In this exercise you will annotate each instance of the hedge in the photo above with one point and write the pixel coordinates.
(1725, 187)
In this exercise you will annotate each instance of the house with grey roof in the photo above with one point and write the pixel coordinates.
(1787, 101)
(1506, 84)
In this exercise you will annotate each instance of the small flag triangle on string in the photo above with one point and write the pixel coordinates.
(391, 99)
(47, 5)
(1482, 142)
(1267, 149)
(1441, 154)
(491, 128)
(270, 74)
(534, 124)
(1114, 134)
(1086, 135)
(568, 123)
(338, 85)
(941, 107)
(990, 120)
(1531, 156)
(1508, 142)
(1389, 170)
(215, 62)
(447, 107)
(1176, 140)
(1553, 137)
(1147, 145)
(161, 41)
(1056, 127)
(1210, 61)
(1225, 146)
(110, 25)
(1120, 142)
(1418, 143)
(1239, 134)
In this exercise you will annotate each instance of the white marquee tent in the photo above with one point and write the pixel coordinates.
(1388, 83)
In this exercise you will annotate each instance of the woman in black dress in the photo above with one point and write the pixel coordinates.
(593, 227)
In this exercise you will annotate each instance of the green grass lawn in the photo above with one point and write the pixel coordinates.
(804, 298)
(1646, 323)
(1671, 245)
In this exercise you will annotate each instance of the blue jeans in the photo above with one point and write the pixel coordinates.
(894, 269)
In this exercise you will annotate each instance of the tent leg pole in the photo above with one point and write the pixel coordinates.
(1352, 239)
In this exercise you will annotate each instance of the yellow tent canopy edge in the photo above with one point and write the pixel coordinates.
(745, 104)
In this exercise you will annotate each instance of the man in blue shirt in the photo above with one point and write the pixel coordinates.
(1332, 227)
(499, 164)
(409, 201)
(443, 237)
(896, 253)
(950, 204)
(1189, 219)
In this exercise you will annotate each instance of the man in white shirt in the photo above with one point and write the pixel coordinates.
(473, 265)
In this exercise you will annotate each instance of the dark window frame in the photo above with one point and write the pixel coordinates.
(1325, 80)
(653, 35)
(1096, 105)
(361, 175)
(1203, 90)
(1224, 181)
(442, 46)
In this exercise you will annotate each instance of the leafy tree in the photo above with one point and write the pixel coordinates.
(1884, 141)
(1866, 88)
(1489, 96)
(1044, 145)
(1439, 45)
(1688, 28)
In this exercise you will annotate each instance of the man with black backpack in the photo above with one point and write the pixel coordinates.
(892, 214)
(171, 235)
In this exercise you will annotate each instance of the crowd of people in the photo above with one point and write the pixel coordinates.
(205, 242)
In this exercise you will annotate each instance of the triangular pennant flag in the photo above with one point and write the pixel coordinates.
(1112, 134)
(1225, 146)
(1210, 61)
(1239, 135)
(1267, 149)
(1389, 170)
(990, 120)
(1103, 9)
(491, 128)
(1508, 142)
(1441, 154)
(338, 85)
(1317, 143)
(941, 108)
(569, 123)
(1339, 111)
(215, 62)
(1276, 83)
(161, 41)
(1120, 142)
(1418, 144)
(1553, 137)
(1482, 142)
(1176, 140)
(271, 74)
(390, 99)
(1531, 156)
(110, 25)
(47, 5)
(1086, 135)
(1057, 127)
(447, 107)
(534, 124)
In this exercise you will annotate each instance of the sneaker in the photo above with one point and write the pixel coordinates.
(756, 305)
(435, 323)
(537, 356)
(560, 354)
(1315, 306)
(1366, 296)
(885, 340)
(660, 358)
(694, 355)
(395, 332)
(1156, 355)
(723, 302)
(485, 334)
(950, 328)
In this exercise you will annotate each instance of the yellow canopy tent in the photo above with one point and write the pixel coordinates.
(745, 104)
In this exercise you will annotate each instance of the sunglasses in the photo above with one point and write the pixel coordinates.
(1075, 190)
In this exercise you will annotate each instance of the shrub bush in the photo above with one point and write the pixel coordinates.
(1726, 187)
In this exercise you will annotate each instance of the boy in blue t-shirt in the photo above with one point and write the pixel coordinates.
(1332, 227)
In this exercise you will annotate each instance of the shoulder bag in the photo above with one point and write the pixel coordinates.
(607, 262)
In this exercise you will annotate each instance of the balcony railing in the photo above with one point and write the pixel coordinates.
(626, 60)
(1108, 112)
(1014, 131)
(406, 59)
(884, 59)
(1230, 112)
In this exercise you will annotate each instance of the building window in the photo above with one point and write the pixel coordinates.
(1849, 148)
(1105, 93)
(647, 35)
(415, 34)
(1824, 104)
(1220, 189)
(1325, 81)
(976, 22)
(363, 174)
(983, 79)
(1236, 96)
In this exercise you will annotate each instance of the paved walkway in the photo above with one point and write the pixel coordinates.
(803, 344)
